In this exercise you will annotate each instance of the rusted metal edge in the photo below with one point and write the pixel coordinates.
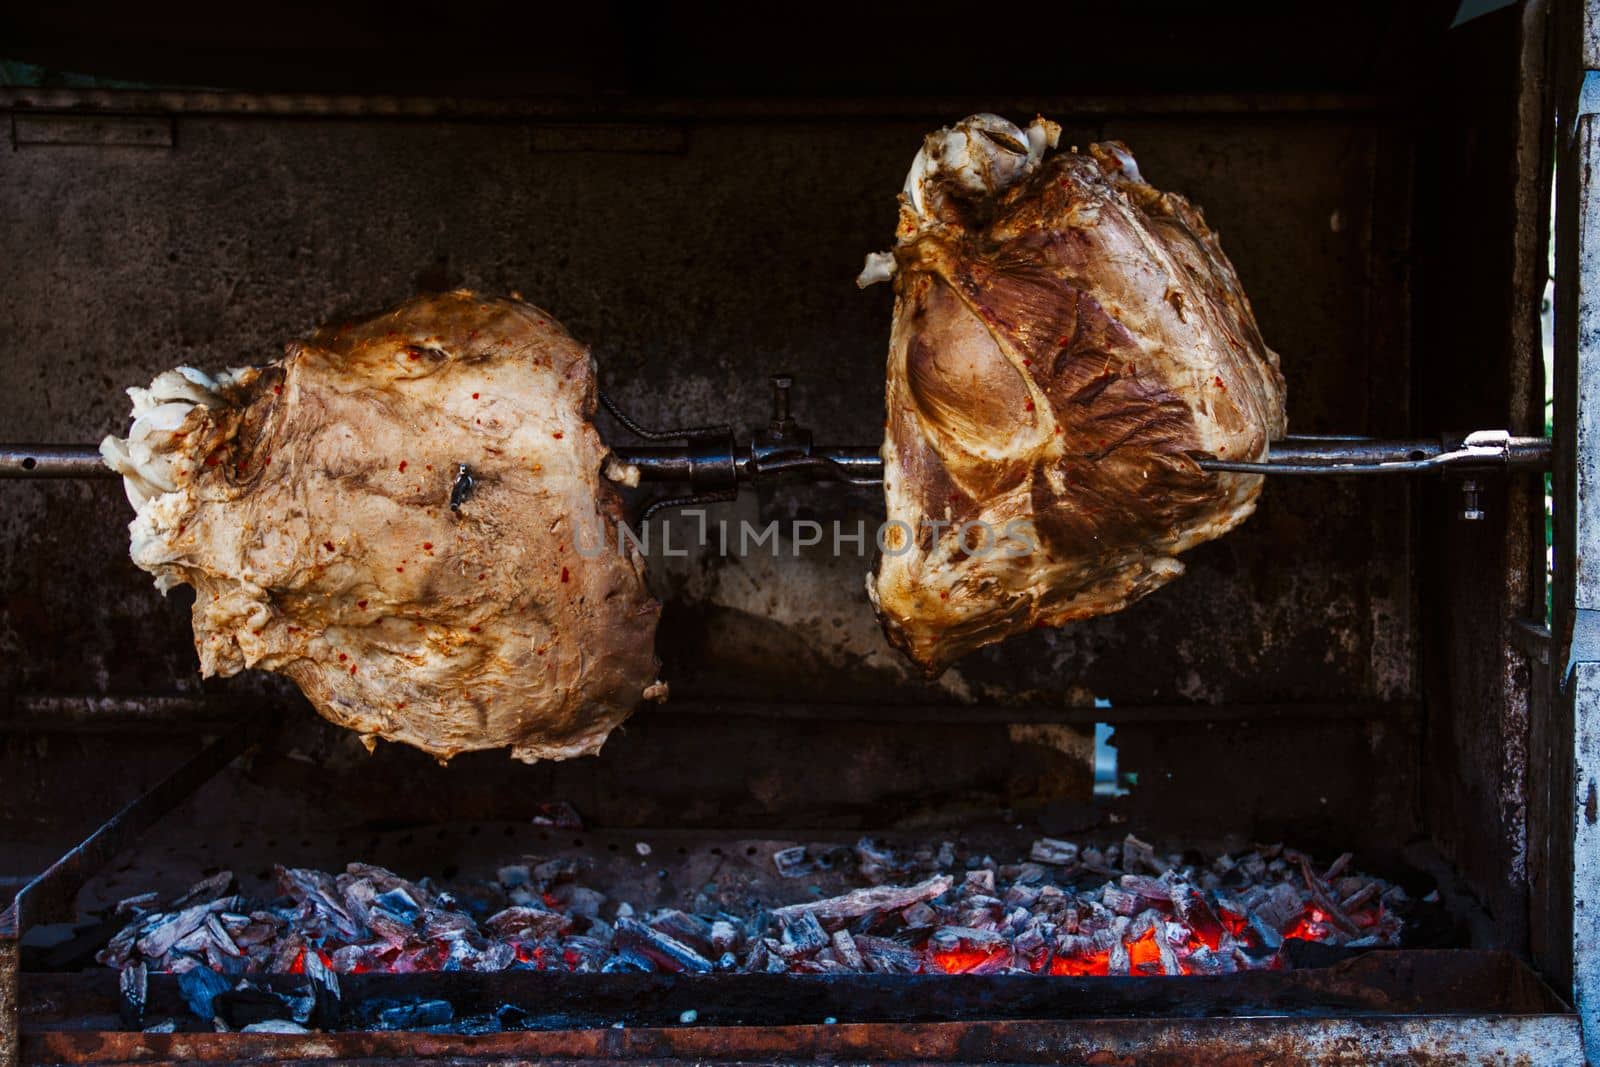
(641, 109)
(988, 713)
(168, 713)
(1420, 1040)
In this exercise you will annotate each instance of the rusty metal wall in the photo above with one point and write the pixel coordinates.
(693, 273)
(698, 252)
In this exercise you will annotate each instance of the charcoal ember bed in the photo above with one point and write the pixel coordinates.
(302, 947)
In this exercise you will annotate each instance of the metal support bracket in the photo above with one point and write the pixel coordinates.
(52, 896)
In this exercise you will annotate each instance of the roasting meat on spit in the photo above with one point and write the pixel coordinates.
(1067, 342)
(390, 516)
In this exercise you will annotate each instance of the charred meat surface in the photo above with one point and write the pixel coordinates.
(316, 505)
(1067, 342)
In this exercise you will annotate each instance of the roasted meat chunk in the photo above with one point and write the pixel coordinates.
(1068, 341)
(390, 515)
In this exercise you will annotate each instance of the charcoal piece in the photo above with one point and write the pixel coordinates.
(668, 953)
(274, 1026)
(792, 862)
(1265, 936)
(946, 856)
(804, 932)
(392, 928)
(1282, 907)
(1165, 933)
(858, 902)
(324, 989)
(844, 947)
(239, 1008)
(165, 1026)
(920, 915)
(1139, 856)
(1191, 906)
(398, 902)
(560, 869)
(883, 956)
(1338, 867)
(162, 931)
(322, 912)
(1022, 896)
(1053, 851)
(726, 962)
(141, 902)
(1361, 897)
(1324, 899)
(681, 926)
(1118, 962)
(579, 900)
(979, 882)
(513, 875)
(413, 1015)
(877, 863)
(199, 986)
(1203, 961)
(526, 922)
(205, 891)
(628, 962)
(724, 936)
(559, 814)
(133, 985)
(755, 957)
(1120, 902)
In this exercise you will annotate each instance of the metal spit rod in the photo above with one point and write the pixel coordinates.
(721, 461)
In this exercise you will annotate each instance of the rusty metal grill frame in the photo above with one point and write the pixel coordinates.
(1439, 1006)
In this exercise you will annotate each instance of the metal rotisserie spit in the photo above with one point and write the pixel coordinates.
(1269, 749)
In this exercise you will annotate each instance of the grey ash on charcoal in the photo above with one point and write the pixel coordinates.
(1123, 909)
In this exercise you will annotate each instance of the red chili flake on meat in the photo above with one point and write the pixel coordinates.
(213, 459)
(362, 604)
(402, 466)
(430, 466)
(401, 704)
(277, 390)
(473, 336)
(1217, 381)
(474, 396)
(1059, 430)
(399, 570)
(412, 353)
(1027, 362)
(352, 668)
(557, 435)
(427, 546)
(481, 577)
(565, 576)
(944, 596)
(328, 545)
(293, 629)
(473, 629)
(343, 657)
(1027, 405)
(182, 526)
